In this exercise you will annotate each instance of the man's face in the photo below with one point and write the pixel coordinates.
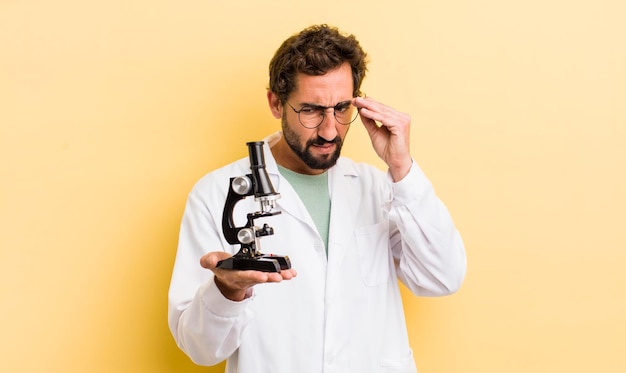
(318, 148)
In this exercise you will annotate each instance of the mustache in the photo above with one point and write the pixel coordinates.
(320, 141)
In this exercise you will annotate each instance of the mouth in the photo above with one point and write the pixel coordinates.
(325, 148)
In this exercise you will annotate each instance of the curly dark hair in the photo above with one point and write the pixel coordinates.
(314, 51)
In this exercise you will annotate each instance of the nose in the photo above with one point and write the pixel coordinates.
(328, 129)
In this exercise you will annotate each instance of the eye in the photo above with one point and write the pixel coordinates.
(342, 107)
(307, 110)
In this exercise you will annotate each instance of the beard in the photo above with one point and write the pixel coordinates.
(322, 162)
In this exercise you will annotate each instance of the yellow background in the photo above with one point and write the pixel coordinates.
(111, 110)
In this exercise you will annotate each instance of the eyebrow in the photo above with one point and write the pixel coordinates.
(316, 106)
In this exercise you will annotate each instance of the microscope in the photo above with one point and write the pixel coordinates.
(257, 184)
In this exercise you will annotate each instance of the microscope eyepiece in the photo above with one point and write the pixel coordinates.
(262, 184)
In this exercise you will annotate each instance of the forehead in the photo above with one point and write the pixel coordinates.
(328, 89)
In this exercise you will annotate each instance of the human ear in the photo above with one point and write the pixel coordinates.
(275, 105)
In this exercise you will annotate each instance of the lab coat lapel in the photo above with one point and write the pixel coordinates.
(289, 202)
(346, 195)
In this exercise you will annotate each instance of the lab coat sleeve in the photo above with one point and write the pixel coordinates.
(205, 325)
(427, 248)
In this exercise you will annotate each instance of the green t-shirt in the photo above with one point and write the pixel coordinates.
(313, 191)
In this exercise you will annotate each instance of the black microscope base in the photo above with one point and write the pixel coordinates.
(263, 263)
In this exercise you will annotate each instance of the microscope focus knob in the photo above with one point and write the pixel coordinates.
(241, 185)
(246, 235)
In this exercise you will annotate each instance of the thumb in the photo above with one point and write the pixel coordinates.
(370, 125)
(209, 261)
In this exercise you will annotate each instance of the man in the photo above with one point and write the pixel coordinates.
(349, 229)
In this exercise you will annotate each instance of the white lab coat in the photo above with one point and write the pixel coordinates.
(340, 314)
